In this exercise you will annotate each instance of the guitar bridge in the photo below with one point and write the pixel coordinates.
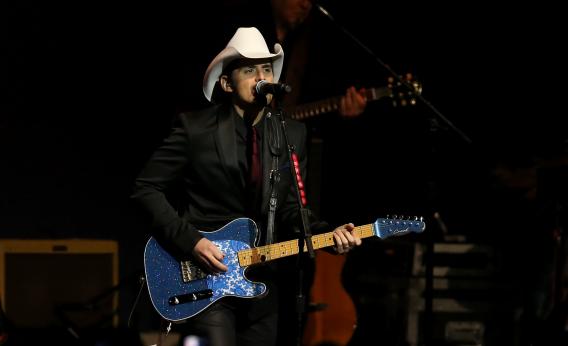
(191, 272)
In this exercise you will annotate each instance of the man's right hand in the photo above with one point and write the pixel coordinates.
(210, 256)
(353, 103)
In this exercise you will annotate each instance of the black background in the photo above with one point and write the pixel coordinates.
(91, 87)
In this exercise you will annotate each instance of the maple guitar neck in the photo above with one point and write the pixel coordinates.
(289, 248)
(382, 228)
(329, 105)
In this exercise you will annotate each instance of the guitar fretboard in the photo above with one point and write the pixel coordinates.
(312, 109)
(289, 248)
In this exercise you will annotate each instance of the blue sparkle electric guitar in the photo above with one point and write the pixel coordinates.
(179, 289)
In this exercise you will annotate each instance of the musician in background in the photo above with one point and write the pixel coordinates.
(214, 167)
(314, 47)
(300, 30)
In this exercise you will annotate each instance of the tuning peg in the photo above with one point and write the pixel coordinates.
(417, 86)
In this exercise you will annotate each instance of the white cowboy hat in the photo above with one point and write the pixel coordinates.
(246, 43)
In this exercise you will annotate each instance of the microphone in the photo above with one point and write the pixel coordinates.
(263, 88)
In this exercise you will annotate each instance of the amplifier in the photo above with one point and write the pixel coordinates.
(64, 282)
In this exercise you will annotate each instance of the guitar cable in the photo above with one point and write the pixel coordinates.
(142, 280)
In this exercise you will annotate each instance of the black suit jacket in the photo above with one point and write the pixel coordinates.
(197, 163)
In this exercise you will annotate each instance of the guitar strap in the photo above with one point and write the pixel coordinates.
(274, 140)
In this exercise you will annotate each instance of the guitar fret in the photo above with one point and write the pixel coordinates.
(365, 231)
(332, 104)
(266, 253)
(289, 248)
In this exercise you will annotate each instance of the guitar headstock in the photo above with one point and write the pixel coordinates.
(404, 90)
(386, 227)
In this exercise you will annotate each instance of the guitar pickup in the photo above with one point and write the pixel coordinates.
(190, 297)
(191, 272)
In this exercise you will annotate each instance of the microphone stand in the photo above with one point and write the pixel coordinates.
(304, 234)
(396, 76)
(434, 126)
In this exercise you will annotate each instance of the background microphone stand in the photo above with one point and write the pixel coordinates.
(304, 233)
(434, 130)
(396, 76)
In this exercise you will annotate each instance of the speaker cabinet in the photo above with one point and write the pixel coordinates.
(65, 282)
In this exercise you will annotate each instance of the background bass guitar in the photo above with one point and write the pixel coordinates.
(399, 94)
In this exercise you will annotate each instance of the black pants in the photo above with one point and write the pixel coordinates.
(235, 322)
(268, 321)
